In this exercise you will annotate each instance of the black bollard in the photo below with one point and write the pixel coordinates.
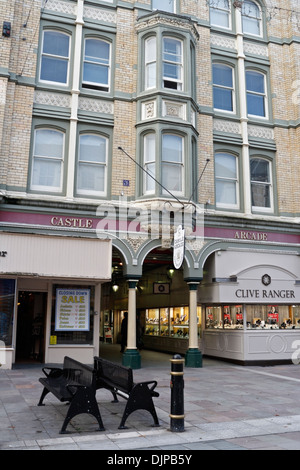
(177, 400)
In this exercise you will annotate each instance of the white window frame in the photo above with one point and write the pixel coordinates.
(232, 89)
(263, 183)
(263, 95)
(160, 7)
(92, 163)
(215, 7)
(147, 162)
(66, 58)
(230, 180)
(246, 13)
(181, 164)
(38, 187)
(150, 42)
(95, 85)
(179, 82)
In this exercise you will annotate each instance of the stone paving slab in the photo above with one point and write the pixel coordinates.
(227, 407)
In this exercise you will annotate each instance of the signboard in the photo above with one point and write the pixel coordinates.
(72, 310)
(178, 251)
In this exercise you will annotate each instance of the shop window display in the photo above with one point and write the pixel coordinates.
(7, 298)
(256, 317)
(169, 321)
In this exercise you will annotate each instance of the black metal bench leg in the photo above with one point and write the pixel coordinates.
(44, 393)
(83, 402)
(140, 399)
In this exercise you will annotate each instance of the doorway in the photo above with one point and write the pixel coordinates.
(30, 343)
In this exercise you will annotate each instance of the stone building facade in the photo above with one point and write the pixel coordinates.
(120, 120)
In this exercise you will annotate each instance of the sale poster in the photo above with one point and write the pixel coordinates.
(72, 312)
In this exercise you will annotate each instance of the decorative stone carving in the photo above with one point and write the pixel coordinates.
(52, 99)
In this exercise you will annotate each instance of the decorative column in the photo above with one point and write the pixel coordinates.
(74, 100)
(243, 110)
(193, 357)
(131, 357)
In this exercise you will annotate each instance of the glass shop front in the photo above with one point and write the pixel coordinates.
(251, 306)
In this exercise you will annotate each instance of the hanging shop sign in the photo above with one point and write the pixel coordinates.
(178, 251)
(72, 312)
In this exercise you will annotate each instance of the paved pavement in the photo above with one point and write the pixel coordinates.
(227, 407)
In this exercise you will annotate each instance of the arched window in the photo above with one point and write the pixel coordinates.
(220, 13)
(149, 163)
(96, 64)
(251, 18)
(261, 183)
(256, 93)
(164, 5)
(150, 63)
(226, 171)
(172, 162)
(48, 156)
(55, 57)
(223, 87)
(172, 63)
(92, 163)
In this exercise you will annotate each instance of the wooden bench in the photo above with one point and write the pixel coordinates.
(74, 383)
(119, 380)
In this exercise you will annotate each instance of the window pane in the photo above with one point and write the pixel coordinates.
(91, 177)
(226, 192)
(150, 62)
(150, 53)
(255, 82)
(46, 173)
(7, 300)
(97, 51)
(261, 195)
(54, 69)
(149, 147)
(222, 75)
(256, 105)
(95, 73)
(92, 148)
(149, 156)
(172, 177)
(56, 43)
(150, 182)
(163, 5)
(225, 166)
(223, 99)
(219, 18)
(172, 148)
(48, 143)
(172, 71)
(260, 170)
(172, 50)
(151, 75)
